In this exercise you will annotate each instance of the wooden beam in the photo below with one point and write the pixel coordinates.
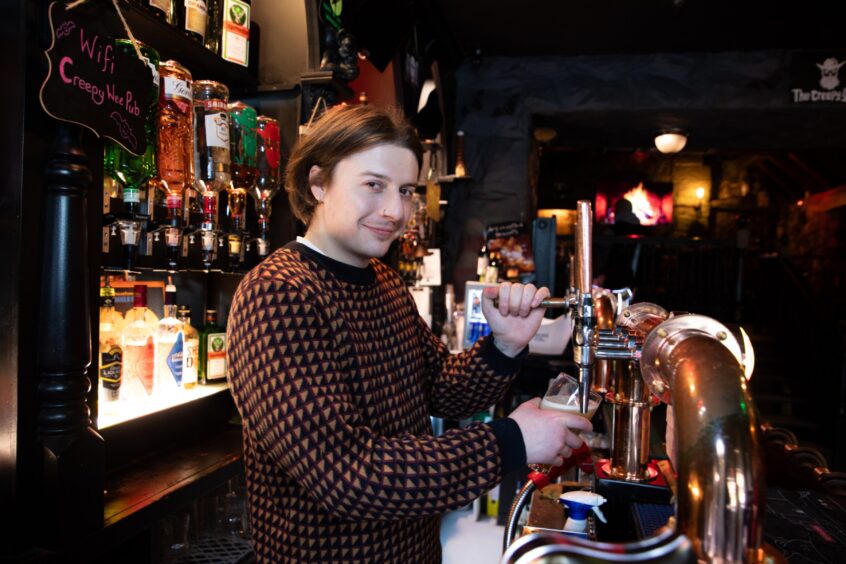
(828, 200)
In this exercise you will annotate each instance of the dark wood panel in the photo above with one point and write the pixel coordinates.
(161, 483)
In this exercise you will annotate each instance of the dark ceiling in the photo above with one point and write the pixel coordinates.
(799, 153)
(536, 28)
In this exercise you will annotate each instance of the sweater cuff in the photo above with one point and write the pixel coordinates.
(499, 362)
(512, 449)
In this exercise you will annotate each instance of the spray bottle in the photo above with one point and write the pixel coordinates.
(579, 503)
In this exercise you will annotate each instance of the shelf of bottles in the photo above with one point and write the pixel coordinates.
(178, 209)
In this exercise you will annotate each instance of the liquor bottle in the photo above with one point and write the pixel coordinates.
(267, 181)
(190, 349)
(235, 33)
(243, 122)
(214, 25)
(192, 18)
(138, 353)
(168, 339)
(175, 128)
(133, 171)
(211, 146)
(110, 352)
(482, 263)
(448, 330)
(162, 8)
(212, 351)
(492, 271)
(460, 167)
(175, 149)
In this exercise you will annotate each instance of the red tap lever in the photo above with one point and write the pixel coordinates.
(543, 479)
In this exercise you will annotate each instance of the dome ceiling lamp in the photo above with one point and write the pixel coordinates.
(669, 141)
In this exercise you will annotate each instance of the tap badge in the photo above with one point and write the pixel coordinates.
(830, 70)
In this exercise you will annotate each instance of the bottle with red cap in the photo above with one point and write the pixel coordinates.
(138, 346)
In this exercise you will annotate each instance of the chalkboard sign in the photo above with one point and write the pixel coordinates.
(91, 83)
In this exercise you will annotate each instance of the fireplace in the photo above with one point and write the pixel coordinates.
(651, 202)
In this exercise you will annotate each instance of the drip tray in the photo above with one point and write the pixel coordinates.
(649, 517)
(218, 550)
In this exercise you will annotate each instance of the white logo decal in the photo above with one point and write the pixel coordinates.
(830, 68)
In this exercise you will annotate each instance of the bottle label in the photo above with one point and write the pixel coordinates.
(214, 105)
(244, 141)
(269, 134)
(190, 355)
(215, 356)
(196, 16)
(178, 91)
(131, 195)
(209, 204)
(236, 32)
(217, 130)
(174, 360)
(111, 367)
(481, 266)
(142, 367)
(163, 5)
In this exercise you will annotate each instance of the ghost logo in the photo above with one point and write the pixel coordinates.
(830, 69)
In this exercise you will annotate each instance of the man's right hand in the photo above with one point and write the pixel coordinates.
(547, 433)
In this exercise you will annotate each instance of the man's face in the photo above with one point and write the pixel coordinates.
(366, 205)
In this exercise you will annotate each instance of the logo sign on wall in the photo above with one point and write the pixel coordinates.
(818, 78)
(90, 83)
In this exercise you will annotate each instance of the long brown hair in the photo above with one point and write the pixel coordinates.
(338, 133)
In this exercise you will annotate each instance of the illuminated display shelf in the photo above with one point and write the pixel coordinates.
(117, 412)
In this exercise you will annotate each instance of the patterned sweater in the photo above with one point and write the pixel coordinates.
(335, 376)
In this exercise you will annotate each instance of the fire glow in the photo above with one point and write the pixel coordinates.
(645, 205)
(649, 207)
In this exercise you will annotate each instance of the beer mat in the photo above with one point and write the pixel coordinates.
(807, 527)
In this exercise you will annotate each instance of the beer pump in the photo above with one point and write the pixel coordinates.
(696, 365)
(580, 301)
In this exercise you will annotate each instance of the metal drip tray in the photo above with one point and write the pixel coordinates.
(218, 550)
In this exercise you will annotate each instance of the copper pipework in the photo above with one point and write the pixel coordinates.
(694, 363)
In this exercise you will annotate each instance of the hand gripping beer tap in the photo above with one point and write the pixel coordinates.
(579, 300)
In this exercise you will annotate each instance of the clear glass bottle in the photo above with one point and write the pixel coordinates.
(214, 26)
(267, 167)
(133, 171)
(212, 351)
(192, 18)
(243, 121)
(482, 263)
(190, 349)
(169, 340)
(110, 350)
(212, 165)
(138, 353)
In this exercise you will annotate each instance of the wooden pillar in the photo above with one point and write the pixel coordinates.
(73, 453)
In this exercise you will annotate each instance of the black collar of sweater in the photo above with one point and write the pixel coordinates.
(342, 270)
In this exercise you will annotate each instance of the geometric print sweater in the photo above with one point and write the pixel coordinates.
(335, 376)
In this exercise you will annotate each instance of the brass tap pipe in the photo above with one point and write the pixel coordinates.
(584, 318)
(691, 362)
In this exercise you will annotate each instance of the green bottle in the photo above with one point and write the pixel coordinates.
(212, 369)
(133, 171)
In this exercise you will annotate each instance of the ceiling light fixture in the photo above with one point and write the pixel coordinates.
(670, 140)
